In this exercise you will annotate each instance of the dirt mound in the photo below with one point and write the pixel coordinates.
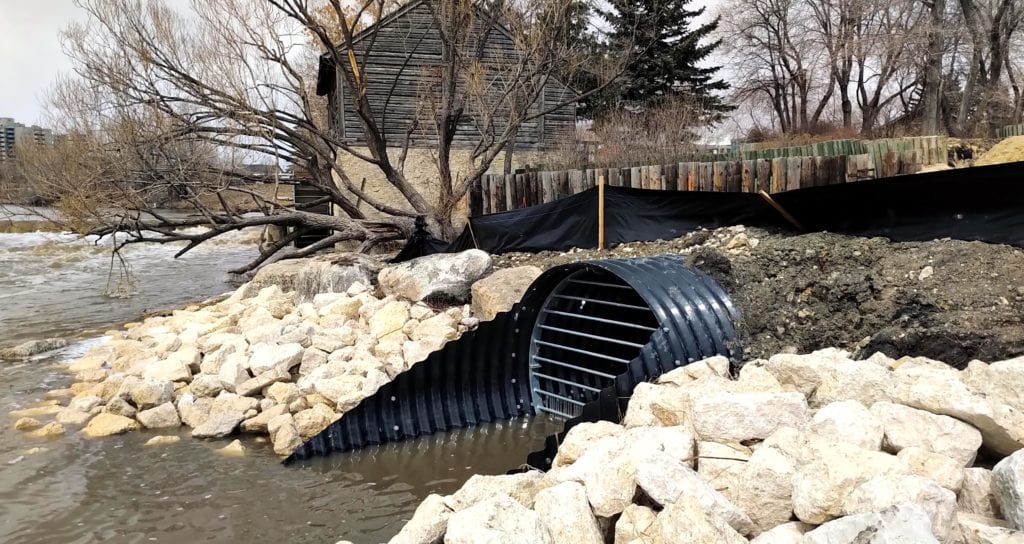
(1008, 150)
(949, 300)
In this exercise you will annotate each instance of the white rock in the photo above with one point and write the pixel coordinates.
(171, 370)
(109, 425)
(283, 434)
(787, 533)
(720, 463)
(428, 523)
(764, 490)
(830, 474)
(687, 520)
(942, 392)
(234, 449)
(312, 359)
(498, 520)
(982, 530)
(146, 393)
(636, 524)
(909, 427)
(260, 423)
(436, 330)
(72, 418)
(746, 416)
(804, 372)
(206, 385)
(85, 403)
(907, 523)
(346, 392)
(389, 319)
(666, 481)
(522, 487)
(566, 513)
(498, 292)
(333, 339)
(268, 356)
(255, 385)
(653, 404)
(854, 380)
(1008, 486)
(977, 495)
(164, 416)
(947, 472)
(310, 422)
(581, 437)
(887, 491)
(163, 440)
(226, 412)
(283, 392)
(848, 421)
(233, 372)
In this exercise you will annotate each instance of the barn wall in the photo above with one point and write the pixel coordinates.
(403, 60)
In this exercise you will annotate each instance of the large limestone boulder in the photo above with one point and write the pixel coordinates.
(688, 520)
(746, 416)
(171, 370)
(763, 489)
(1002, 381)
(804, 373)
(1008, 485)
(389, 319)
(259, 423)
(255, 385)
(501, 290)
(225, 413)
(982, 530)
(147, 393)
(854, 380)
(887, 491)
(907, 427)
(72, 418)
(310, 422)
(942, 392)
(581, 437)
(652, 404)
(720, 463)
(787, 533)
(608, 468)
(334, 273)
(32, 347)
(272, 356)
(636, 524)
(436, 278)
(498, 520)
(109, 425)
(665, 480)
(428, 523)
(234, 372)
(164, 416)
(522, 487)
(848, 421)
(564, 510)
(896, 524)
(283, 434)
(947, 472)
(206, 385)
(829, 474)
(977, 496)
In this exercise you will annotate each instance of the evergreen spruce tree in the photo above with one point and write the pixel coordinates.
(665, 54)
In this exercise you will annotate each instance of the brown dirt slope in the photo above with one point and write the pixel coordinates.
(950, 300)
(1008, 150)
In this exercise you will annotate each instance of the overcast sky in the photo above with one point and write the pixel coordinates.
(30, 54)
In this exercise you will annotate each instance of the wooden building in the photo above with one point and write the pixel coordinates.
(401, 59)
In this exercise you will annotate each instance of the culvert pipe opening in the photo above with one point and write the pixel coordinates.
(584, 335)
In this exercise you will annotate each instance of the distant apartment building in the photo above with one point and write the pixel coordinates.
(14, 134)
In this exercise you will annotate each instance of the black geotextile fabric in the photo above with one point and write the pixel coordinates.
(981, 203)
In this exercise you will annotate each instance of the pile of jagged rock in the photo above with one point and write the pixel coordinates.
(285, 355)
(809, 449)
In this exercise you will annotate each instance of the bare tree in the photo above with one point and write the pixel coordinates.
(238, 77)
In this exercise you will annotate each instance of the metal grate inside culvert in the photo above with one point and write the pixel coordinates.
(589, 329)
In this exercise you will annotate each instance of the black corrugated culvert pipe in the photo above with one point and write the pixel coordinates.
(575, 347)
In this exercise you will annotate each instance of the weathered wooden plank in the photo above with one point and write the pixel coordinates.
(808, 172)
(707, 176)
(635, 179)
(778, 182)
(748, 176)
(764, 175)
(501, 193)
(793, 169)
(682, 175)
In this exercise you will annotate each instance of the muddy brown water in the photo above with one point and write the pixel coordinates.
(77, 490)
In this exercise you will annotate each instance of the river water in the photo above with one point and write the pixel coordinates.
(77, 490)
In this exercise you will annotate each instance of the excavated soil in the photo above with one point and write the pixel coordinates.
(1008, 150)
(949, 300)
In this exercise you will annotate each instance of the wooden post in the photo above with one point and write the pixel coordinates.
(600, 213)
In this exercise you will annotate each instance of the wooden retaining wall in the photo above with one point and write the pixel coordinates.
(499, 192)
